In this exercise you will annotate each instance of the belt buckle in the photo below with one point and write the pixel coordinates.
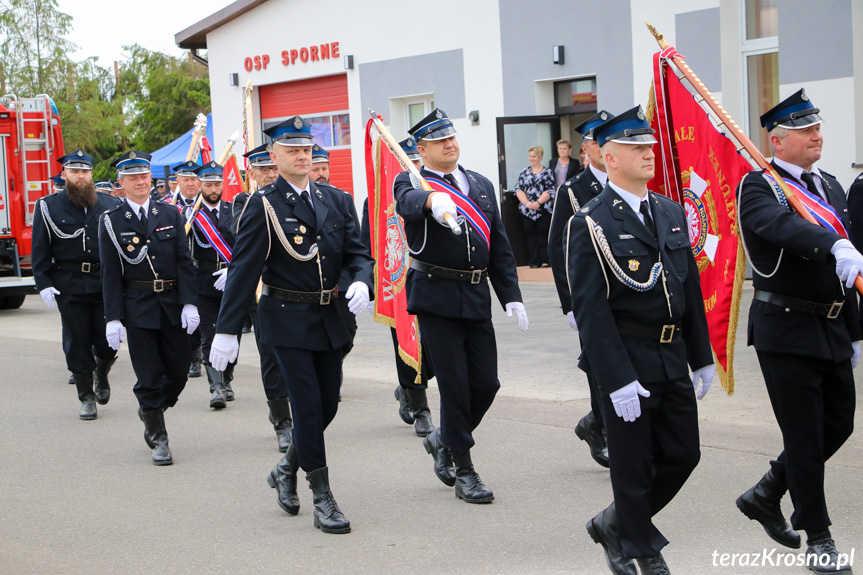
(85, 267)
(835, 309)
(221, 265)
(667, 333)
(326, 295)
(158, 286)
(475, 277)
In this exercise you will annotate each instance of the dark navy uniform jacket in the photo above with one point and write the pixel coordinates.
(205, 259)
(806, 271)
(453, 298)
(616, 359)
(573, 194)
(168, 251)
(259, 252)
(49, 248)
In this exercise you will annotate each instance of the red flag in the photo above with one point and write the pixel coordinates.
(389, 249)
(206, 151)
(233, 182)
(699, 167)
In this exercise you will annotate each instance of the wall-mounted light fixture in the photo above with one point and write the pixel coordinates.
(234, 79)
(473, 116)
(557, 54)
(349, 62)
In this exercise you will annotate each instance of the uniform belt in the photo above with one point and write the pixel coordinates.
(828, 310)
(210, 266)
(157, 286)
(322, 297)
(85, 267)
(472, 276)
(661, 333)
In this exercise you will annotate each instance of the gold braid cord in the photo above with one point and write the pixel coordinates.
(280, 233)
(601, 243)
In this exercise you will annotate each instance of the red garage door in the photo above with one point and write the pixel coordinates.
(324, 102)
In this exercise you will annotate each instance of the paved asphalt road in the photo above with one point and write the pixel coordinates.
(83, 497)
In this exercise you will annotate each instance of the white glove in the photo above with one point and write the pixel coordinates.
(189, 318)
(221, 280)
(223, 350)
(626, 402)
(849, 262)
(115, 333)
(48, 296)
(520, 314)
(855, 357)
(570, 317)
(442, 204)
(705, 374)
(370, 307)
(358, 297)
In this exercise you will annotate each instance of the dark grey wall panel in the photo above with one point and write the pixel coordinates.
(584, 27)
(815, 41)
(441, 74)
(698, 39)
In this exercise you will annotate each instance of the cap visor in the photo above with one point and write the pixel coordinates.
(294, 142)
(802, 122)
(441, 134)
(635, 139)
(134, 170)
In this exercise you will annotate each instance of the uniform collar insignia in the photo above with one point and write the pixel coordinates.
(615, 202)
(320, 197)
(128, 215)
(154, 211)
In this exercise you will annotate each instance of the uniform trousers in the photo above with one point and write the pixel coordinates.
(160, 358)
(650, 459)
(274, 384)
(407, 374)
(208, 310)
(313, 379)
(814, 402)
(83, 320)
(463, 354)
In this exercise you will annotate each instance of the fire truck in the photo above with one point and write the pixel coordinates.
(30, 143)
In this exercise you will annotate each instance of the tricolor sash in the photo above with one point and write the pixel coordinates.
(823, 212)
(205, 224)
(465, 207)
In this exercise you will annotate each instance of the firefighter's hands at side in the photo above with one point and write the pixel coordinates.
(48, 296)
(115, 333)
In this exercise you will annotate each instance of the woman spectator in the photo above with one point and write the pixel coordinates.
(535, 191)
(564, 166)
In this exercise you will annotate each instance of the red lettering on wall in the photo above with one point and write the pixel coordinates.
(247, 64)
(286, 59)
(304, 54)
(335, 49)
(325, 51)
(313, 50)
(293, 56)
(265, 59)
(257, 60)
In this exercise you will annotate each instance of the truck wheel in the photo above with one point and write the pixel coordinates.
(12, 302)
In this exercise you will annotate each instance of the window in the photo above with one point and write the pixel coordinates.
(417, 108)
(761, 65)
(575, 96)
(330, 131)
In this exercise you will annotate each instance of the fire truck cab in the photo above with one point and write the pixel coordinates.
(30, 143)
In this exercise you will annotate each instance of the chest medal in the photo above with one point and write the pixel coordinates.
(633, 265)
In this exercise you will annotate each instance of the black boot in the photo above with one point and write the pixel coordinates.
(653, 565)
(156, 436)
(761, 503)
(283, 478)
(71, 379)
(100, 378)
(227, 379)
(84, 384)
(404, 406)
(603, 530)
(589, 429)
(217, 388)
(195, 366)
(468, 486)
(280, 417)
(821, 553)
(419, 406)
(443, 465)
(328, 517)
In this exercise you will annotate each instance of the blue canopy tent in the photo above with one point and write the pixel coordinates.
(175, 152)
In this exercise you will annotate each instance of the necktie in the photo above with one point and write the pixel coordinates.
(308, 201)
(214, 215)
(143, 215)
(451, 181)
(648, 221)
(190, 201)
(810, 183)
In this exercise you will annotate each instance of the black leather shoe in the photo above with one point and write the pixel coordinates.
(328, 517)
(443, 465)
(197, 359)
(280, 417)
(404, 406)
(88, 409)
(822, 556)
(470, 488)
(156, 436)
(228, 378)
(653, 565)
(71, 379)
(603, 530)
(100, 379)
(590, 430)
(419, 406)
(218, 401)
(761, 503)
(84, 386)
(283, 478)
(217, 387)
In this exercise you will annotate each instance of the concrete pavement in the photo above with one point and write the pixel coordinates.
(83, 497)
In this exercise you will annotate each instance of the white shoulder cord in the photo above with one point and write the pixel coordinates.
(600, 245)
(280, 233)
(46, 215)
(573, 201)
(743, 236)
(417, 186)
(141, 255)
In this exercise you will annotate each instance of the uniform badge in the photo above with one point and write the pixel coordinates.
(320, 197)
(626, 237)
(128, 215)
(80, 153)
(298, 240)
(640, 114)
(298, 123)
(584, 210)
(132, 155)
(130, 248)
(154, 211)
(438, 115)
(135, 240)
(803, 96)
(675, 229)
(409, 143)
(633, 265)
(615, 202)
(603, 116)
(302, 229)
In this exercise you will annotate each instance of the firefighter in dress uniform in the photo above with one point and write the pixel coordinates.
(447, 289)
(636, 297)
(66, 270)
(804, 325)
(570, 197)
(298, 237)
(148, 282)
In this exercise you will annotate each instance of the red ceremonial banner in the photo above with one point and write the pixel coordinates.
(700, 167)
(233, 182)
(389, 250)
